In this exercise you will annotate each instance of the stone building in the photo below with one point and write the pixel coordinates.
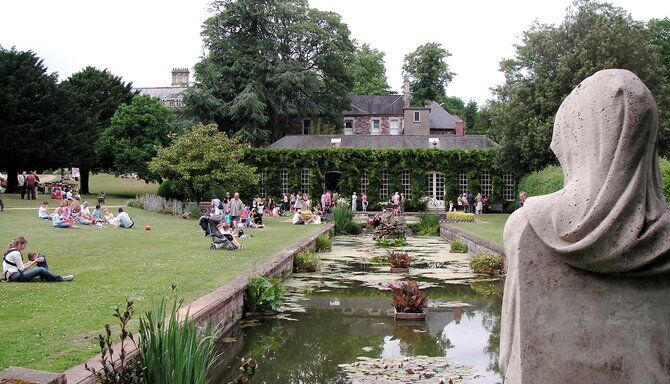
(171, 96)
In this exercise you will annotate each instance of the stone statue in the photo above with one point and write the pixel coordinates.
(587, 295)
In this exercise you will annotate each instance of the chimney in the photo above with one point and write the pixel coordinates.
(460, 126)
(180, 77)
(406, 93)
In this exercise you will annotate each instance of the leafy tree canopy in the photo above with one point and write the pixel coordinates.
(203, 158)
(31, 114)
(96, 95)
(135, 132)
(369, 71)
(268, 63)
(550, 61)
(428, 73)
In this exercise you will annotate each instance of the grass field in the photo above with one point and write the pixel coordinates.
(490, 228)
(51, 326)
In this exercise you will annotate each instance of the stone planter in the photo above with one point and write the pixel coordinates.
(399, 270)
(418, 316)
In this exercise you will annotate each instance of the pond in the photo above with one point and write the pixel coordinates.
(337, 324)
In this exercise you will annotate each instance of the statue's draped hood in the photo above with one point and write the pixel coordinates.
(611, 216)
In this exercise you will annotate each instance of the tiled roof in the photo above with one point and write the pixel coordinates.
(163, 93)
(439, 118)
(376, 105)
(385, 141)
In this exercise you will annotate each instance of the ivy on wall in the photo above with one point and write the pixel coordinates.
(354, 163)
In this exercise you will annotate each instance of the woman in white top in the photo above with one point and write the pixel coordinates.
(14, 270)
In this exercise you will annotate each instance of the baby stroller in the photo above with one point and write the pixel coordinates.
(210, 226)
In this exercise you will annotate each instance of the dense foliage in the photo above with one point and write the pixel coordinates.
(323, 243)
(459, 247)
(407, 297)
(306, 261)
(354, 164)
(429, 225)
(96, 95)
(201, 159)
(269, 63)
(136, 130)
(369, 72)
(428, 73)
(343, 217)
(263, 295)
(399, 259)
(551, 60)
(486, 263)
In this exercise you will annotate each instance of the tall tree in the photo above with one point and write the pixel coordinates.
(428, 73)
(452, 104)
(659, 35)
(269, 62)
(369, 71)
(96, 94)
(30, 114)
(201, 159)
(549, 63)
(470, 115)
(136, 131)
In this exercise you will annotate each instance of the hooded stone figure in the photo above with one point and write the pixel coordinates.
(587, 295)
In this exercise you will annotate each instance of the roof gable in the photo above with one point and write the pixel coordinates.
(376, 105)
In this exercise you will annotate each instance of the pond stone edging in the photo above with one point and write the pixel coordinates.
(224, 306)
(475, 244)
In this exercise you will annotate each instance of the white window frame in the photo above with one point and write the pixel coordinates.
(348, 131)
(462, 183)
(283, 180)
(417, 116)
(384, 186)
(305, 176)
(406, 181)
(396, 130)
(435, 185)
(262, 177)
(485, 182)
(364, 182)
(508, 187)
(372, 127)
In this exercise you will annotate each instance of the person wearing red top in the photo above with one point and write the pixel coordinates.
(32, 187)
(364, 201)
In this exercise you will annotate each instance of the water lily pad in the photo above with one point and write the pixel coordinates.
(411, 369)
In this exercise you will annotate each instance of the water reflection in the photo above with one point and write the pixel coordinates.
(340, 324)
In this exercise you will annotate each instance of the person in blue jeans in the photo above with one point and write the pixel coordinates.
(14, 270)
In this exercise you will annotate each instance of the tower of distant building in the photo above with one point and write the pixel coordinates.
(171, 96)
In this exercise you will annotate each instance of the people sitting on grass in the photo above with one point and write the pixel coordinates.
(258, 220)
(110, 219)
(14, 270)
(60, 221)
(227, 232)
(124, 220)
(297, 217)
(43, 212)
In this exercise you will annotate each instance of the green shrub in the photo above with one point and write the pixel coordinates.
(416, 205)
(306, 262)
(459, 246)
(168, 189)
(486, 263)
(665, 173)
(543, 182)
(323, 243)
(429, 225)
(175, 352)
(135, 203)
(392, 243)
(263, 295)
(343, 217)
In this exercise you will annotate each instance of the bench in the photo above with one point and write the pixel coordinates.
(497, 208)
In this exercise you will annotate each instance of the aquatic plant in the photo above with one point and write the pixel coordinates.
(174, 351)
(459, 246)
(323, 243)
(390, 243)
(306, 261)
(407, 297)
(263, 295)
(248, 367)
(429, 225)
(399, 259)
(485, 262)
(343, 217)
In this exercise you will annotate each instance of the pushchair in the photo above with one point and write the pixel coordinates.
(210, 226)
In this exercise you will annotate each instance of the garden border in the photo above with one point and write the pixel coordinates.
(223, 306)
(474, 243)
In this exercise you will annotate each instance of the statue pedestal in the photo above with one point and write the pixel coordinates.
(564, 325)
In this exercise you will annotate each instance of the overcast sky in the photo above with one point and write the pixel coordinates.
(142, 40)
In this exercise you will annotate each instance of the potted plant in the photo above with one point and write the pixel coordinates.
(408, 301)
(400, 261)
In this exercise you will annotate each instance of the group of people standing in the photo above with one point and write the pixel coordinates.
(470, 203)
(28, 184)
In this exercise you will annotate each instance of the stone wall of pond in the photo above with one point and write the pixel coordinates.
(223, 306)
(475, 244)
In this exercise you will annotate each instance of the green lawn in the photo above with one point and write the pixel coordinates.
(51, 326)
(491, 227)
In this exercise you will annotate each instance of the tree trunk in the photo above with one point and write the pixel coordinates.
(12, 182)
(83, 180)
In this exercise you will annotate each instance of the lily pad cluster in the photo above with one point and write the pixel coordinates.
(405, 370)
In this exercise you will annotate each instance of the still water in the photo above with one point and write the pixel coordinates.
(337, 325)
